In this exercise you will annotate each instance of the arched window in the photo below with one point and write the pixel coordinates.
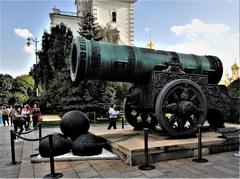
(114, 16)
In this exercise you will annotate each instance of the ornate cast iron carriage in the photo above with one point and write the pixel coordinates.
(177, 91)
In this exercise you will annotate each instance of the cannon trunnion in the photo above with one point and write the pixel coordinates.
(176, 91)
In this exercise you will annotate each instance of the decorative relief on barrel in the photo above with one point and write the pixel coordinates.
(96, 57)
(83, 60)
(160, 79)
(131, 59)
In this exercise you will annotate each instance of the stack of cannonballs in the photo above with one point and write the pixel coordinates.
(74, 126)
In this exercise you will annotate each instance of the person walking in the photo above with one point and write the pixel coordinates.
(113, 114)
(36, 115)
(17, 120)
(5, 116)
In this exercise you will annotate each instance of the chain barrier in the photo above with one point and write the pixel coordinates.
(13, 135)
(51, 155)
(27, 132)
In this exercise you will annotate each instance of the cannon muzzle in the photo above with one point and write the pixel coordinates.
(98, 60)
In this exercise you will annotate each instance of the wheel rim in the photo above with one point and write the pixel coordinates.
(138, 118)
(181, 105)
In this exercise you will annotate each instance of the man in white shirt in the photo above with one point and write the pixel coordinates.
(112, 115)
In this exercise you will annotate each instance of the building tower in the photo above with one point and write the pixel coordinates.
(150, 44)
(118, 13)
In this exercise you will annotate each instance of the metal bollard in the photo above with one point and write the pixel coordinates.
(122, 122)
(200, 159)
(40, 132)
(146, 166)
(52, 174)
(12, 137)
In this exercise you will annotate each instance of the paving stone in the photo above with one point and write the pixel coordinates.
(120, 166)
(62, 165)
(214, 173)
(99, 165)
(69, 174)
(132, 173)
(225, 170)
(26, 172)
(153, 173)
(82, 167)
(87, 174)
(111, 173)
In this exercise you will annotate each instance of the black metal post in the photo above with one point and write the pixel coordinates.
(146, 166)
(51, 156)
(12, 146)
(40, 131)
(200, 159)
(122, 122)
(12, 137)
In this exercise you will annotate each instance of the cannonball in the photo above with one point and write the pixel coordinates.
(61, 145)
(87, 145)
(74, 123)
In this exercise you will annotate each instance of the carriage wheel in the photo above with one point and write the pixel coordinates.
(181, 105)
(139, 119)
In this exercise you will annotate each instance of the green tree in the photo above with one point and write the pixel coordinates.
(22, 88)
(59, 51)
(88, 28)
(45, 68)
(16, 90)
(6, 87)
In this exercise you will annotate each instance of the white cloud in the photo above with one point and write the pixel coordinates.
(24, 33)
(198, 48)
(207, 39)
(198, 28)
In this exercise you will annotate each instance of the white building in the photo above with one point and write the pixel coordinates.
(118, 13)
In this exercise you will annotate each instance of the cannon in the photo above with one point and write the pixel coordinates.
(174, 90)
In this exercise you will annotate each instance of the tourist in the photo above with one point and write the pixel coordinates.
(113, 114)
(26, 116)
(9, 110)
(10, 115)
(18, 121)
(36, 115)
(5, 116)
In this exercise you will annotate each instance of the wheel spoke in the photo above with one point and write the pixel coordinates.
(191, 121)
(134, 113)
(185, 95)
(175, 96)
(197, 109)
(170, 108)
(193, 98)
(181, 123)
(172, 120)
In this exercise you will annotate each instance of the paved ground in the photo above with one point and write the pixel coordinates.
(223, 165)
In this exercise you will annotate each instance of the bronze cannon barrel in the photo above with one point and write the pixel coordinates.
(98, 60)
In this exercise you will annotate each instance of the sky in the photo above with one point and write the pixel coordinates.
(202, 27)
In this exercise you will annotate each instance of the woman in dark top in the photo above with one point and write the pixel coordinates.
(17, 119)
